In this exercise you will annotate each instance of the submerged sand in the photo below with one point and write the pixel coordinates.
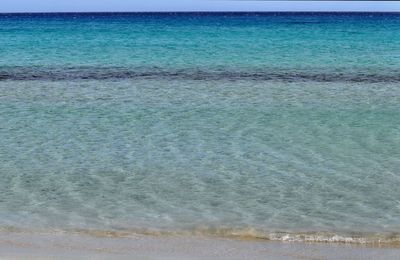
(17, 245)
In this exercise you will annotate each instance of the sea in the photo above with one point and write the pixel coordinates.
(275, 126)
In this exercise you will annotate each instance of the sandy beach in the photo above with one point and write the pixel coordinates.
(19, 245)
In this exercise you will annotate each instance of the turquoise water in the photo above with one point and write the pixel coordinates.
(265, 125)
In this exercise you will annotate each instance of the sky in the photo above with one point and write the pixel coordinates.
(191, 5)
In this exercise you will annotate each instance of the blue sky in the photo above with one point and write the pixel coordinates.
(189, 5)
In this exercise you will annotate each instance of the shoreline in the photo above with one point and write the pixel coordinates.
(17, 245)
(366, 239)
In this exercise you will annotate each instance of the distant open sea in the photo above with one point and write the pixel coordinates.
(282, 126)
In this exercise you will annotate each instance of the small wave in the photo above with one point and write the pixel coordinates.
(371, 239)
(367, 239)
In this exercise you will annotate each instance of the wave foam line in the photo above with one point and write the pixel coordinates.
(369, 239)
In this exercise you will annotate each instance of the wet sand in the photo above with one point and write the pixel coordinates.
(19, 245)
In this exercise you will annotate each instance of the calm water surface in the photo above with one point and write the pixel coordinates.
(281, 126)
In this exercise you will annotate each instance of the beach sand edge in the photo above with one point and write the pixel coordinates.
(19, 245)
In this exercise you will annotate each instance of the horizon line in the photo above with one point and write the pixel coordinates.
(155, 12)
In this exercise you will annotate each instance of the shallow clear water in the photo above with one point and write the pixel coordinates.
(219, 123)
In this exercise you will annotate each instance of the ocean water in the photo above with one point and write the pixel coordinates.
(278, 126)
